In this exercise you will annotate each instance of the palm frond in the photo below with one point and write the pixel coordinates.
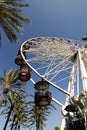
(11, 18)
(9, 31)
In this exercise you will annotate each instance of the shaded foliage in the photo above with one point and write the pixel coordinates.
(56, 128)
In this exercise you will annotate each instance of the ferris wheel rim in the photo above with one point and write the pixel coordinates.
(33, 69)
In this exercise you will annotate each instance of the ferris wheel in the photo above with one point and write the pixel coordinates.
(57, 61)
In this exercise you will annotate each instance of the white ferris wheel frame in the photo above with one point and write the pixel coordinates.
(82, 54)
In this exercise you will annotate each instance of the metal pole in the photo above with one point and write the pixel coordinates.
(84, 81)
(83, 71)
(78, 85)
(71, 91)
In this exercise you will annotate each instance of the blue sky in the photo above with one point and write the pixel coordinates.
(53, 18)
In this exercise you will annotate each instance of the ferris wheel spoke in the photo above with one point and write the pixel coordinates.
(52, 63)
(55, 67)
(57, 73)
(65, 78)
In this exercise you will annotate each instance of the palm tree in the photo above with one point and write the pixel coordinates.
(11, 18)
(9, 104)
(38, 115)
(35, 117)
(20, 114)
(14, 108)
(9, 81)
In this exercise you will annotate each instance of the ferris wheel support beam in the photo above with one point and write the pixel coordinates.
(84, 81)
(71, 91)
(83, 72)
(71, 84)
(78, 73)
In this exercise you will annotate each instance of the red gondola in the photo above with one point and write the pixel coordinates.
(19, 60)
(43, 99)
(24, 73)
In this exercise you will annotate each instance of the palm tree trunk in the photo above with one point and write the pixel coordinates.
(13, 122)
(19, 127)
(38, 124)
(41, 125)
(6, 123)
(16, 125)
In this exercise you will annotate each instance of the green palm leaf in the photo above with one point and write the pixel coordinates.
(11, 18)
